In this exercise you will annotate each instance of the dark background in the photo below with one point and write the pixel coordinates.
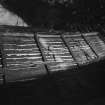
(41, 12)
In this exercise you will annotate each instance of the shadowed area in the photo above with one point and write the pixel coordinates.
(65, 88)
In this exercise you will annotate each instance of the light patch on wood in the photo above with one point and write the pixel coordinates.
(8, 18)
